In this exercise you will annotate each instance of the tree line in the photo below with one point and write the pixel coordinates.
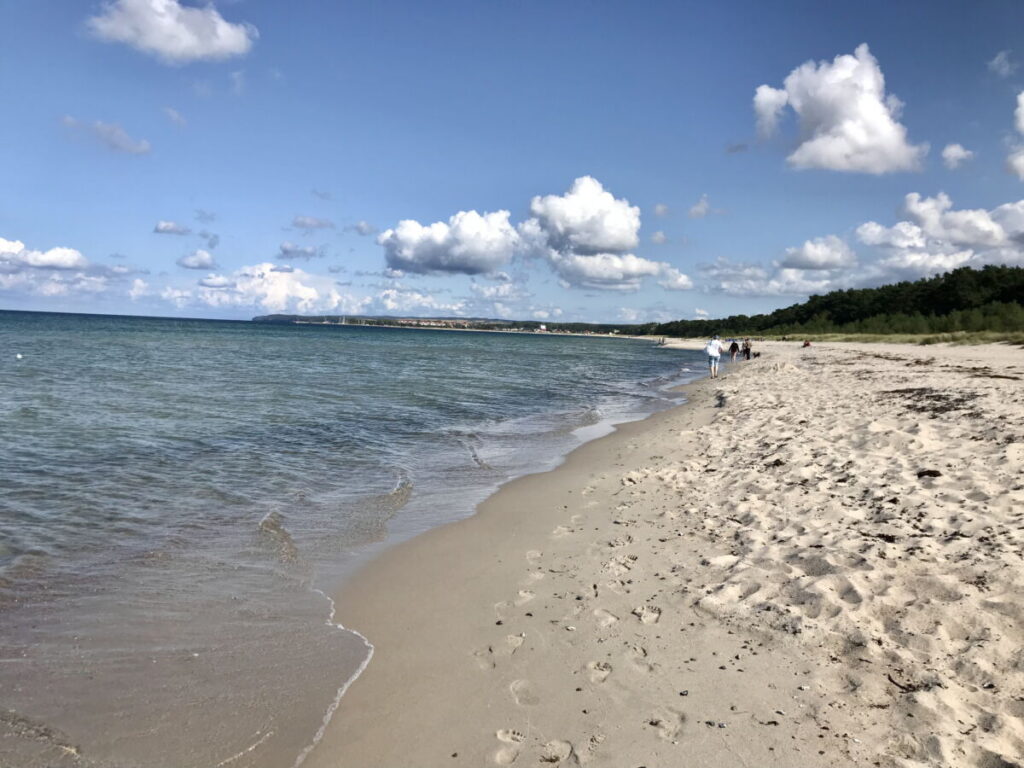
(966, 299)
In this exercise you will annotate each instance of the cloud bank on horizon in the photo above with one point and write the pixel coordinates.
(579, 253)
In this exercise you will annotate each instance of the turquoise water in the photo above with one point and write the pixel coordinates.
(176, 492)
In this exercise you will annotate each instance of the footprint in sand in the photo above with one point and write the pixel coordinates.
(668, 723)
(533, 555)
(605, 618)
(523, 693)
(488, 657)
(599, 671)
(560, 531)
(648, 614)
(511, 738)
(638, 655)
(556, 752)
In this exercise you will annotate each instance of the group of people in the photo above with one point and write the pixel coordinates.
(716, 347)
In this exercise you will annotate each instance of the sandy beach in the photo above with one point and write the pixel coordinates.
(816, 561)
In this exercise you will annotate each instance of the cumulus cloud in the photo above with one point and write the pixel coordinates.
(310, 223)
(739, 279)
(198, 259)
(173, 33)
(289, 250)
(1002, 64)
(935, 237)
(660, 209)
(264, 287)
(14, 256)
(468, 243)
(701, 313)
(847, 122)
(170, 228)
(768, 105)
(903, 234)
(659, 238)
(174, 116)
(954, 155)
(587, 219)
(111, 135)
(214, 281)
(139, 289)
(586, 235)
(829, 252)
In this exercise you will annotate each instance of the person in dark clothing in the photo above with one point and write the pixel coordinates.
(747, 347)
(734, 349)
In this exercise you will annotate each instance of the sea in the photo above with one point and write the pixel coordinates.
(179, 498)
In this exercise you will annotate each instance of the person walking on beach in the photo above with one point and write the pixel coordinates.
(734, 349)
(747, 348)
(714, 353)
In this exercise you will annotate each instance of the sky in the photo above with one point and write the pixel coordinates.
(578, 161)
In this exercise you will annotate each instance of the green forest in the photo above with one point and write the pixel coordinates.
(971, 300)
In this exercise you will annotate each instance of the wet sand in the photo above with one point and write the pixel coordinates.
(816, 561)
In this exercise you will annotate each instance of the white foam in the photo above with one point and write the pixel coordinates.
(342, 690)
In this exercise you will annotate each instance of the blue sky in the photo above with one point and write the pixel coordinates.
(524, 160)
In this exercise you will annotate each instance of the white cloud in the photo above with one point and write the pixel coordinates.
(700, 312)
(176, 296)
(847, 122)
(902, 235)
(768, 105)
(587, 219)
(1002, 65)
(14, 256)
(937, 219)
(265, 288)
(111, 135)
(198, 259)
(953, 155)
(614, 272)
(363, 228)
(585, 236)
(309, 223)
(671, 279)
(139, 289)
(170, 228)
(172, 32)
(938, 238)
(174, 116)
(829, 252)
(660, 209)
(214, 281)
(700, 209)
(659, 238)
(469, 243)
(738, 279)
(289, 250)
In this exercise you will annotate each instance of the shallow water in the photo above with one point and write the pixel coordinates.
(175, 493)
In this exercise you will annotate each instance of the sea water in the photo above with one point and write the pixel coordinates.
(178, 497)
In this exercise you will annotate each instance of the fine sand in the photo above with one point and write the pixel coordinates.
(816, 562)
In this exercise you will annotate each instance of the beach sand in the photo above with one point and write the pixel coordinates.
(816, 561)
